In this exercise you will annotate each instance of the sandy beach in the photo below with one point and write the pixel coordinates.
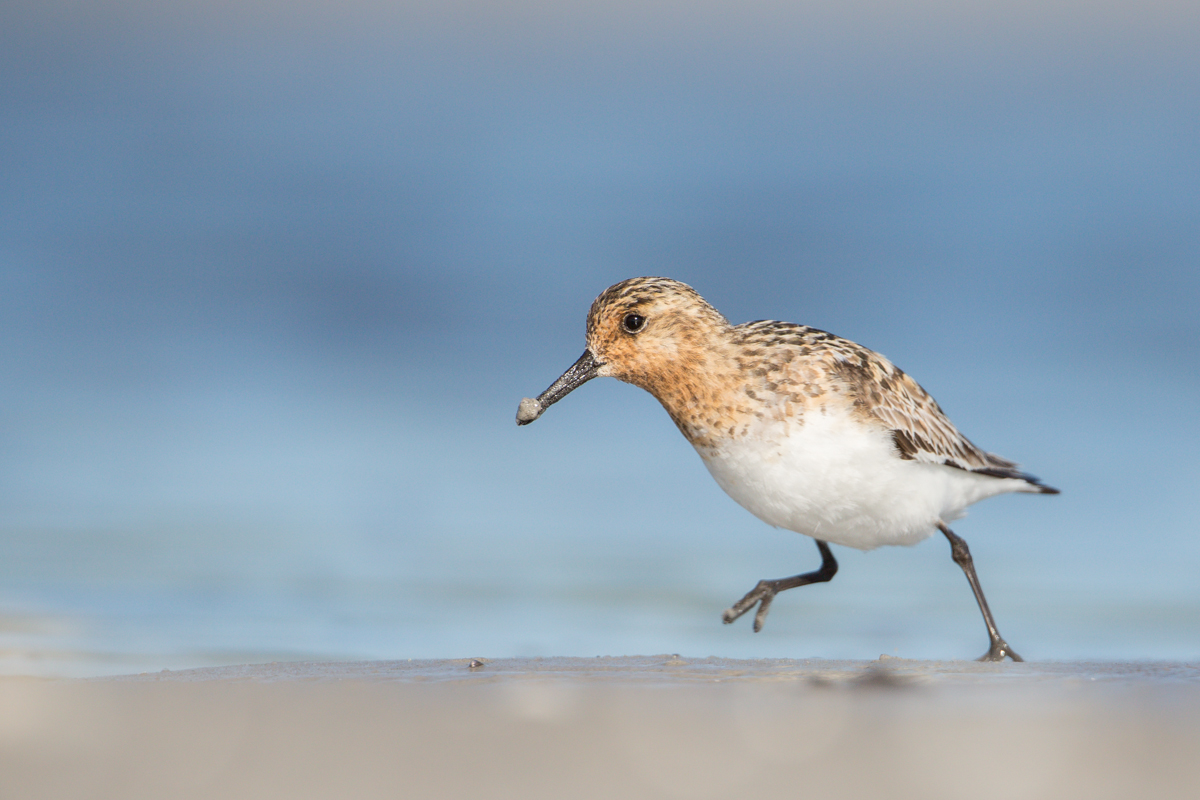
(653, 726)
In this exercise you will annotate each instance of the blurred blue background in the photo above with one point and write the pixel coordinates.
(273, 278)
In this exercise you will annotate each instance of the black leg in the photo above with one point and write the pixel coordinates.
(999, 649)
(765, 592)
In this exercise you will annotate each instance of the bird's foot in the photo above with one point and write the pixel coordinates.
(999, 651)
(762, 595)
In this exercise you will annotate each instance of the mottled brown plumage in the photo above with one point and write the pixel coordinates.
(715, 378)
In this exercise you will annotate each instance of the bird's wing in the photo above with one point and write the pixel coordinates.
(884, 393)
(919, 427)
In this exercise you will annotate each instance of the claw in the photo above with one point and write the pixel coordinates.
(764, 606)
(761, 595)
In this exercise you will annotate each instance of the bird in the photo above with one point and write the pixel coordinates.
(806, 430)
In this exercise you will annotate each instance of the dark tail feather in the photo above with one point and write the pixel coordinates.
(1032, 480)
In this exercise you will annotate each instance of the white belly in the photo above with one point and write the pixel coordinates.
(835, 479)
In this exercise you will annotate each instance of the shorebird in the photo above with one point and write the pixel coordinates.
(806, 430)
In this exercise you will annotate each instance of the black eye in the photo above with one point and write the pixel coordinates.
(633, 322)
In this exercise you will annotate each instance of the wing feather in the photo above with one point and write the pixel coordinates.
(885, 394)
(920, 429)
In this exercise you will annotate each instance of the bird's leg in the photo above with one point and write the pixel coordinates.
(999, 649)
(766, 590)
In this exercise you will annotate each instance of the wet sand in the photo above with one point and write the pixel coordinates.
(653, 726)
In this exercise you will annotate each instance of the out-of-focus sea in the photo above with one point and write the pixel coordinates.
(273, 280)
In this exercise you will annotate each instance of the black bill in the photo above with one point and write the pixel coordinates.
(580, 373)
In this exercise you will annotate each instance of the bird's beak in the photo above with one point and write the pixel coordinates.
(582, 371)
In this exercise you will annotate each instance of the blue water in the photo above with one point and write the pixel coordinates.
(270, 290)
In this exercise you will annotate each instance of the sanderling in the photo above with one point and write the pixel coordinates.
(804, 429)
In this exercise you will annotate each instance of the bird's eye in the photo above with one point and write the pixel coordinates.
(633, 323)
